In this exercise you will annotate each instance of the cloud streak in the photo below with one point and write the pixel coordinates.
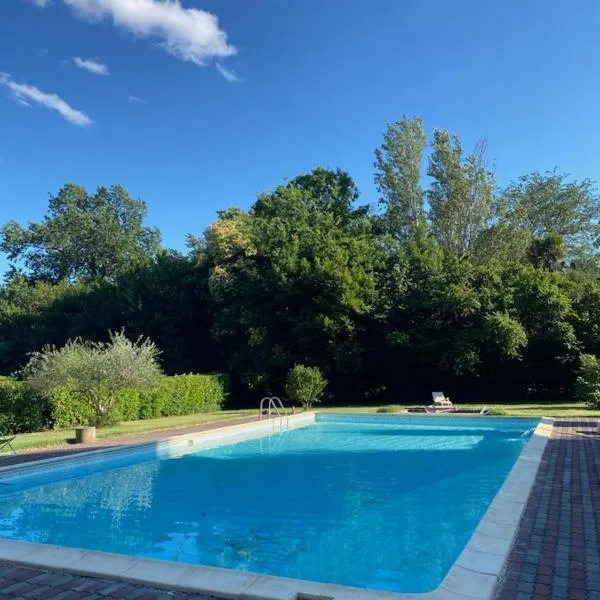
(230, 75)
(190, 34)
(137, 99)
(90, 65)
(26, 94)
(41, 3)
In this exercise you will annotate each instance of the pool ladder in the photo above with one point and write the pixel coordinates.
(274, 407)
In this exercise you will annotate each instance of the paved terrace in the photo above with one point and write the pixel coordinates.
(556, 555)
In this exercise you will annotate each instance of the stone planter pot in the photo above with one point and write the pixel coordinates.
(85, 435)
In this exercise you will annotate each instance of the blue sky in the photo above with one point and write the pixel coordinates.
(317, 81)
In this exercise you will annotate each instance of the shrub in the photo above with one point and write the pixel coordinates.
(68, 408)
(587, 386)
(187, 394)
(20, 410)
(96, 373)
(177, 395)
(305, 385)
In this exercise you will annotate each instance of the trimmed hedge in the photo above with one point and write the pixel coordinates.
(176, 395)
(21, 411)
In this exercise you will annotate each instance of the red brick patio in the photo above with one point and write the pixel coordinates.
(556, 555)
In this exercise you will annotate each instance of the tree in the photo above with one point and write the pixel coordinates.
(461, 195)
(548, 252)
(587, 388)
(292, 280)
(95, 371)
(398, 173)
(89, 237)
(549, 204)
(305, 385)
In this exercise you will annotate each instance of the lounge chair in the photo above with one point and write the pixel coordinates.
(6, 440)
(441, 404)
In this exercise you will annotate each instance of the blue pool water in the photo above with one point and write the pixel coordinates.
(381, 502)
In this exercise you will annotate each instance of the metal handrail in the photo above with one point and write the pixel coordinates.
(274, 404)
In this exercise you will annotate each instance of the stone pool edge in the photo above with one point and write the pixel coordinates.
(476, 572)
(474, 575)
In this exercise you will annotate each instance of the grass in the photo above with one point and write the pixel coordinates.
(570, 409)
(61, 437)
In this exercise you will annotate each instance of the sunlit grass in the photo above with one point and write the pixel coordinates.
(60, 437)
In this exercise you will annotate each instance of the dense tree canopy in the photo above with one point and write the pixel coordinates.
(88, 237)
(444, 281)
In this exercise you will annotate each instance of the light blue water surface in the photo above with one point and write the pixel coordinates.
(383, 502)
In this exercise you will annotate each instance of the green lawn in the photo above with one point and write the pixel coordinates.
(61, 437)
(48, 439)
(517, 410)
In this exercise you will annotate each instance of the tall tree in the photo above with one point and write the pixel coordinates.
(93, 237)
(461, 195)
(546, 204)
(398, 173)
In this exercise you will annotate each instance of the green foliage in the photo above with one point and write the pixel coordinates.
(545, 204)
(461, 195)
(305, 385)
(69, 408)
(178, 395)
(95, 372)
(21, 411)
(547, 252)
(398, 174)
(93, 237)
(488, 293)
(587, 388)
(185, 394)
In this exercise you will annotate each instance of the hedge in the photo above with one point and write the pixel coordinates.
(176, 395)
(21, 411)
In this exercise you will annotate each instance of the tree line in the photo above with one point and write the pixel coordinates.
(444, 281)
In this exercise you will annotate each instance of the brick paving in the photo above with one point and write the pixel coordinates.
(556, 555)
(23, 583)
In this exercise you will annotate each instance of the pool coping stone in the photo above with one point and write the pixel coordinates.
(474, 575)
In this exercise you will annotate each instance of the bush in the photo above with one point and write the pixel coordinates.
(176, 395)
(20, 410)
(187, 394)
(69, 409)
(587, 386)
(305, 385)
(388, 409)
(96, 373)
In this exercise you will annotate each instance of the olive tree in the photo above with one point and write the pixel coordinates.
(95, 371)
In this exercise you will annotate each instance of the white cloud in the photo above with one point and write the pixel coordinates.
(24, 94)
(43, 52)
(188, 33)
(227, 73)
(137, 99)
(91, 65)
(41, 3)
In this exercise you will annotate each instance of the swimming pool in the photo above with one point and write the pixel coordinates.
(382, 502)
